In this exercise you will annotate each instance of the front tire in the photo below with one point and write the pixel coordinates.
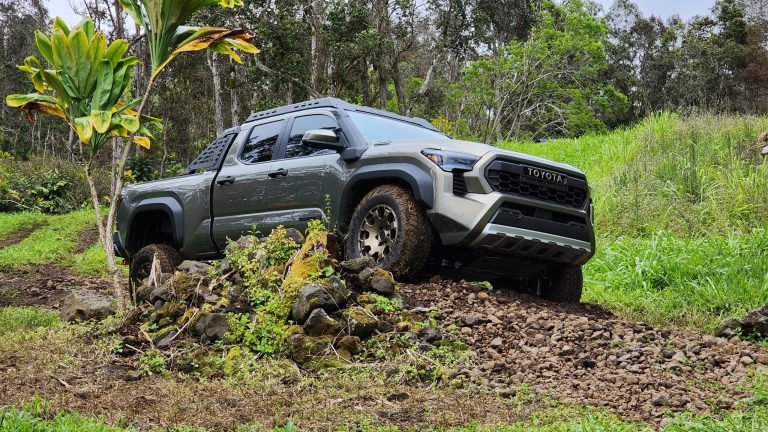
(566, 284)
(389, 226)
(141, 264)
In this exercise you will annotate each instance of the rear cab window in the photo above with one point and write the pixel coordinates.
(261, 142)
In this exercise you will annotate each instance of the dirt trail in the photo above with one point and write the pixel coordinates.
(19, 235)
(86, 239)
(584, 354)
(44, 286)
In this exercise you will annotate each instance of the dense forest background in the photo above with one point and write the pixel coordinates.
(485, 70)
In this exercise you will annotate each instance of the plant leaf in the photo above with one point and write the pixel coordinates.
(133, 9)
(103, 86)
(44, 45)
(84, 129)
(142, 141)
(101, 120)
(130, 122)
(203, 37)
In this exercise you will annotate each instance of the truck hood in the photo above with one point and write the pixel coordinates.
(480, 150)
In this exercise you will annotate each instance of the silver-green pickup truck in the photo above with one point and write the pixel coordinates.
(397, 189)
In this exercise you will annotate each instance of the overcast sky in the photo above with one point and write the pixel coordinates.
(665, 8)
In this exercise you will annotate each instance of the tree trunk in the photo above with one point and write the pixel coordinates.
(401, 106)
(217, 112)
(234, 101)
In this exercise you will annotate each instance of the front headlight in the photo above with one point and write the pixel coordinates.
(451, 161)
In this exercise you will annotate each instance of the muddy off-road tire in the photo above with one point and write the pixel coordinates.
(392, 228)
(565, 284)
(141, 264)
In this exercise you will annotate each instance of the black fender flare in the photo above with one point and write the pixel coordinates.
(167, 205)
(419, 180)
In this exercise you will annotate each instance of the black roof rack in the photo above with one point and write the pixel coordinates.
(338, 104)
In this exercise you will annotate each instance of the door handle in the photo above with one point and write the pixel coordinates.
(225, 181)
(281, 172)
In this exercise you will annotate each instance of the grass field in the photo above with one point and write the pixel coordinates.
(53, 242)
(682, 213)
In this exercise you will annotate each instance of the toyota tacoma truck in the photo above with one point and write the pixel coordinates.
(396, 188)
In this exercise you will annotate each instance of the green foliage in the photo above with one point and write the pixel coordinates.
(166, 23)
(315, 226)
(385, 304)
(36, 416)
(261, 265)
(693, 283)
(49, 185)
(139, 169)
(83, 85)
(153, 362)
(549, 84)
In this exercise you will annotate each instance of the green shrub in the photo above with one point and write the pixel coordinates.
(49, 185)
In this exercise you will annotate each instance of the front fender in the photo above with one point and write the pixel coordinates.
(419, 180)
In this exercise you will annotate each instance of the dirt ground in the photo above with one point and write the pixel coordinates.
(580, 354)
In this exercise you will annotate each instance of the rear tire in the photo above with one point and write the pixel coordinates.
(566, 284)
(392, 228)
(141, 264)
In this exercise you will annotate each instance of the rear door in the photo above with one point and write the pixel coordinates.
(310, 181)
(240, 189)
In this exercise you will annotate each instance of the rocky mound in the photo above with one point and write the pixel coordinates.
(282, 295)
(584, 354)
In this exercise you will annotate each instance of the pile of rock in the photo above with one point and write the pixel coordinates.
(583, 353)
(329, 325)
(331, 316)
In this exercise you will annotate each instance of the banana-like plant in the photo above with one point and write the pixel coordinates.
(84, 85)
(164, 22)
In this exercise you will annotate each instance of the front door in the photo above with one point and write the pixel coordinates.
(240, 191)
(310, 183)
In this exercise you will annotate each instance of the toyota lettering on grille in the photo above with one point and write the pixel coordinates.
(545, 175)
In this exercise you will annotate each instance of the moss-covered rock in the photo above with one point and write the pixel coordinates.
(320, 324)
(382, 281)
(359, 322)
(304, 349)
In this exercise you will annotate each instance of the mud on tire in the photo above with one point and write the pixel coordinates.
(566, 284)
(141, 264)
(407, 247)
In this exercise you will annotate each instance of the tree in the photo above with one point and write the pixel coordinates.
(84, 86)
(550, 84)
(87, 85)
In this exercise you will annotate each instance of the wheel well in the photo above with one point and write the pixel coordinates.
(148, 227)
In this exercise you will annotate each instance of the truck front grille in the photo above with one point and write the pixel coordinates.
(508, 177)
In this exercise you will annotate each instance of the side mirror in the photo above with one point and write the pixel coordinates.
(322, 139)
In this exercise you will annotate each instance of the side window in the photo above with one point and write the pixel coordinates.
(261, 143)
(303, 124)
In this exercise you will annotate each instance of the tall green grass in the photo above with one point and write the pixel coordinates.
(688, 282)
(692, 176)
(681, 217)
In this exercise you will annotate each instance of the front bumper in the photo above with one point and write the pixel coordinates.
(508, 224)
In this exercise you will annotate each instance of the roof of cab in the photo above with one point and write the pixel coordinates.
(338, 104)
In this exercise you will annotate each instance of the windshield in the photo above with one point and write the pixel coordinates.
(378, 128)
